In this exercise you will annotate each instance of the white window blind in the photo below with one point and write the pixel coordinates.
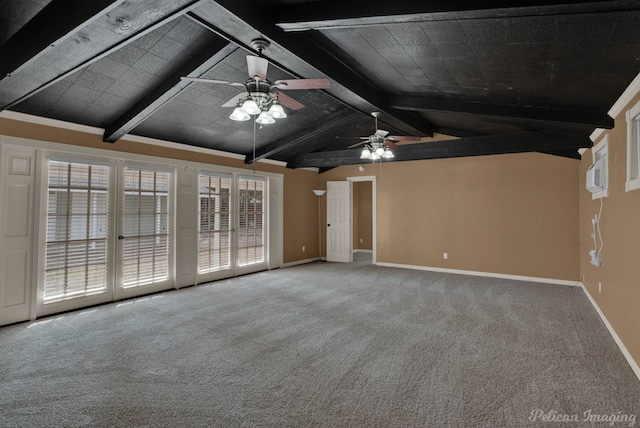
(146, 227)
(77, 214)
(251, 221)
(214, 246)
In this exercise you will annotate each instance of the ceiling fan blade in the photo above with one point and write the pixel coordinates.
(257, 66)
(403, 138)
(200, 79)
(381, 133)
(359, 144)
(390, 144)
(233, 102)
(287, 101)
(291, 84)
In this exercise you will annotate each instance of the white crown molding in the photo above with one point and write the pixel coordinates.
(55, 123)
(626, 97)
(596, 134)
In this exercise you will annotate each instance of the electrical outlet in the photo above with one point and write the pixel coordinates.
(361, 240)
(599, 287)
(445, 256)
(304, 249)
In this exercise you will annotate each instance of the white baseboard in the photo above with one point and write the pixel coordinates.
(299, 262)
(616, 338)
(485, 274)
(362, 251)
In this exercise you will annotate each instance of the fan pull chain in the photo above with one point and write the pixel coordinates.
(253, 164)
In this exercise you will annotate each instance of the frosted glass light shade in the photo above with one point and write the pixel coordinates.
(366, 154)
(250, 107)
(319, 192)
(239, 115)
(265, 119)
(277, 111)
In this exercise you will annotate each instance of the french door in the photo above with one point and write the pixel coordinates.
(144, 231)
(231, 221)
(109, 230)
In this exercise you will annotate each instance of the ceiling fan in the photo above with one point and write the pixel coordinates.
(260, 96)
(379, 144)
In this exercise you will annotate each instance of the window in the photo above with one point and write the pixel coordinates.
(251, 221)
(633, 148)
(145, 254)
(77, 218)
(601, 152)
(214, 244)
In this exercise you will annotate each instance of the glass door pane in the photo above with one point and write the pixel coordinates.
(214, 242)
(251, 233)
(145, 250)
(77, 218)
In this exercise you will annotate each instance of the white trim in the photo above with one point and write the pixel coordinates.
(616, 338)
(38, 120)
(362, 251)
(299, 262)
(484, 274)
(626, 97)
(633, 148)
(374, 213)
(594, 136)
(602, 146)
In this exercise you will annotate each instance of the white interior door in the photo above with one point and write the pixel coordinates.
(339, 221)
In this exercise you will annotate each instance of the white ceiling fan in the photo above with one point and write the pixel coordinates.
(260, 96)
(379, 144)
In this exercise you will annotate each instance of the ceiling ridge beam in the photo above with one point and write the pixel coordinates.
(356, 13)
(300, 139)
(52, 24)
(196, 66)
(477, 146)
(180, 9)
(504, 111)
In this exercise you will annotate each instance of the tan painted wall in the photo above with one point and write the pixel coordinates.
(300, 206)
(509, 214)
(620, 227)
(362, 216)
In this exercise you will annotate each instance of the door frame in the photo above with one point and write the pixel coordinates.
(374, 208)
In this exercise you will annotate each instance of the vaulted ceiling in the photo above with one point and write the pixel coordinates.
(468, 77)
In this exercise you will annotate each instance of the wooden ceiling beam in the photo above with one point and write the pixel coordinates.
(305, 140)
(503, 111)
(356, 13)
(477, 146)
(76, 55)
(54, 22)
(199, 64)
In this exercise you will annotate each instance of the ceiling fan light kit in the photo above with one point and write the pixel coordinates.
(261, 97)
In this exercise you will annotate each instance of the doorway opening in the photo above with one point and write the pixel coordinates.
(363, 219)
